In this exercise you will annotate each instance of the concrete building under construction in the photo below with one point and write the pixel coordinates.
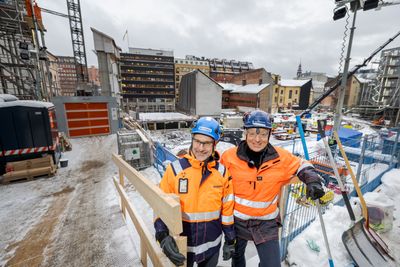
(18, 70)
(380, 96)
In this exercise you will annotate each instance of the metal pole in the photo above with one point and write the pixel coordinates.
(394, 148)
(361, 160)
(342, 89)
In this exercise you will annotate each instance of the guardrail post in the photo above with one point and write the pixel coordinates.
(122, 183)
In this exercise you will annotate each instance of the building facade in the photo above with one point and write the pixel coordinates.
(52, 78)
(186, 65)
(292, 94)
(93, 75)
(389, 77)
(108, 56)
(255, 77)
(199, 95)
(148, 80)
(253, 96)
(67, 75)
(319, 80)
(222, 70)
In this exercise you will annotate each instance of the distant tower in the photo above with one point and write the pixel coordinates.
(299, 72)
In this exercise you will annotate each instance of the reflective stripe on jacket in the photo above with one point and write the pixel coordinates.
(257, 191)
(206, 198)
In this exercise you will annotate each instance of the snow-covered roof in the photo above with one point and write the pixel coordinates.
(26, 103)
(363, 80)
(165, 116)
(247, 89)
(289, 82)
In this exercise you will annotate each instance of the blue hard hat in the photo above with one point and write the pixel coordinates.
(257, 119)
(207, 126)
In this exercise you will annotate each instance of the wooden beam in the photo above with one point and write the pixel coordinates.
(163, 205)
(146, 238)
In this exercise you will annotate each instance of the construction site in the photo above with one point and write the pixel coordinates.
(83, 149)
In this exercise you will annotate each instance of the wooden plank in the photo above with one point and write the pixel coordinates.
(28, 174)
(156, 255)
(163, 205)
(143, 254)
(31, 163)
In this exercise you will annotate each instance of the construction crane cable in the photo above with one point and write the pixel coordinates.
(355, 68)
(343, 47)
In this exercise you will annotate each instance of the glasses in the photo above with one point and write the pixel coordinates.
(253, 135)
(207, 144)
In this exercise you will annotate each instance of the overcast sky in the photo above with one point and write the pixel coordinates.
(274, 34)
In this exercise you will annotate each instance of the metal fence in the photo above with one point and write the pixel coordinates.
(371, 156)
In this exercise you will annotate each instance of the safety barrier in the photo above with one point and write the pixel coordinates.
(162, 156)
(166, 206)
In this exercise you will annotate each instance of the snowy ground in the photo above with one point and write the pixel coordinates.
(337, 221)
(73, 218)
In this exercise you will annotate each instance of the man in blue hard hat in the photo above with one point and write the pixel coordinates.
(205, 191)
(259, 171)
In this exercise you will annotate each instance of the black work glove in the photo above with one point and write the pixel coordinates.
(171, 250)
(228, 249)
(315, 190)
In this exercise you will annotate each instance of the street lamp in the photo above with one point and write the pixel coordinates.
(339, 12)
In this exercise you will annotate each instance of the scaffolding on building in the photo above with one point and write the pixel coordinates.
(17, 75)
(380, 96)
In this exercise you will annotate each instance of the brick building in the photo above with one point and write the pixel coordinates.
(93, 75)
(67, 75)
(222, 70)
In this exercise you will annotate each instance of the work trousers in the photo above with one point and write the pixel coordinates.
(210, 262)
(268, 252)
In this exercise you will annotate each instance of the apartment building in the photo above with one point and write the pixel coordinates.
(67, 75)
(186, 65)
(148, 80)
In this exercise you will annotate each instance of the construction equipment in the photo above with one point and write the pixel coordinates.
(374, 237)
(357, 242)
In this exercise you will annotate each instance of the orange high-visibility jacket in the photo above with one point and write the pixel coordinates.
(206, 198)
(257, 191)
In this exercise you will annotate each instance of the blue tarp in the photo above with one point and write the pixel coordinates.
(348, 137)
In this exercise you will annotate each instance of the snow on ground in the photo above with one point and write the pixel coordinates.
(337, 221)
(71, 219)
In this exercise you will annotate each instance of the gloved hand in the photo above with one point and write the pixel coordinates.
(228, 249)
(171, 250)
(315, 190)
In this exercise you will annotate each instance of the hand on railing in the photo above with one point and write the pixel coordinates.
(170, 249)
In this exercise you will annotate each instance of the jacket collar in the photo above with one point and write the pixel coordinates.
(270, 152)
(195, 163)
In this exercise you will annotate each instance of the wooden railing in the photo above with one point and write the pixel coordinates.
(166, 206)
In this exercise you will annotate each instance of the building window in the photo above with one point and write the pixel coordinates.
(290, 94)
(276, 90)
(243, 82)
(259, 81)
(282, 92)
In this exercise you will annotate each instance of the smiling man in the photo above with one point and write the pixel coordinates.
(259, 171)
(206, 195)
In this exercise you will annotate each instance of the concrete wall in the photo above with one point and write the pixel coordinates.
(61, 115)
(208, 96)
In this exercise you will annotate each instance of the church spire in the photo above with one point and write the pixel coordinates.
(299, 71)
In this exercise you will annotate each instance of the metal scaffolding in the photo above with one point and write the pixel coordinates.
(380, 97)
(78, 40)
(17, 76)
